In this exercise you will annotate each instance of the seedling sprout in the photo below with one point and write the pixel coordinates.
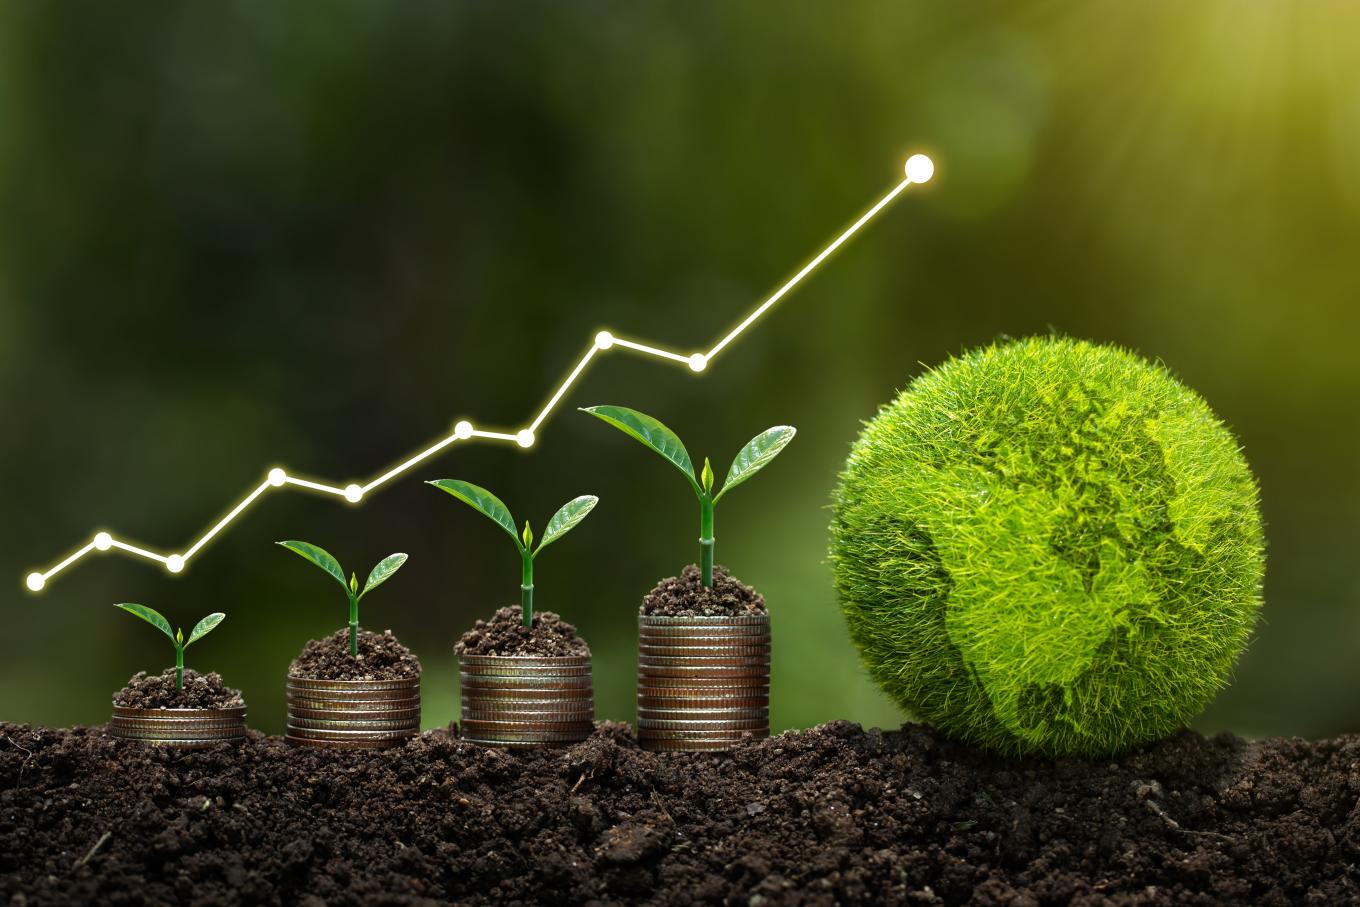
(157, 620)
(490, 506)
(752, 458)
(379, 575)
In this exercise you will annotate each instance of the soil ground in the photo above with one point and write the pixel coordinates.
(505, 634)
(381, 657)
(157, 691)
(685, 595)
(831, 815)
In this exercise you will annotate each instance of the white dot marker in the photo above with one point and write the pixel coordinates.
(103, 541)
(920, 168)
(525, 438)
(174, 563)
(604, 340)
(353, 493)
(35, 582)
(698, 362)
(277, 477)
(463, 430)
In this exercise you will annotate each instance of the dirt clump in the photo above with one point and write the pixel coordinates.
(505, 634)
(381, 657)
(157, 691)
(687, 596)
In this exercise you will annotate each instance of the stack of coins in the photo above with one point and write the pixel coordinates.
(525, 700)
(353, 714)
(703, 682)
(190, 729)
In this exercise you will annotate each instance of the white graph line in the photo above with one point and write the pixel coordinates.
(919, 169)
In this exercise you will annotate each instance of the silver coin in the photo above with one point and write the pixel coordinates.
(408, 685)
(229, 711)
(716, 725)
(355, 714)
(704, 661)
(314, 724)
(177, 734)
(383, 744)
(704, 713)
(306, 733)
(489, 727)
(509, 738)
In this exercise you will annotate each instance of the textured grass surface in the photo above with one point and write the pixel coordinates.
(1049, 546)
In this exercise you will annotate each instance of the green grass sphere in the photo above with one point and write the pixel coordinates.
(1049, 547)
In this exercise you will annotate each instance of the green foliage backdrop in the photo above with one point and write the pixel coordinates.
(241, 235)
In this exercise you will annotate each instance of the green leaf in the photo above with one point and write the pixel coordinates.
(319, 556)
(151, 616)
(482, 501)
(385, 570)
(650, 432)
(204, 627)
(565, 520)
(756, 455)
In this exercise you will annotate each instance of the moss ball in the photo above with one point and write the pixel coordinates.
(1049, 547)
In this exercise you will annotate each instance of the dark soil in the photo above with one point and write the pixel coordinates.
(505, 634)
(157, 691)
(381, 657)
(687, 596)
(831, 815)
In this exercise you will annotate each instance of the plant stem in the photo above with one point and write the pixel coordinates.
(353, 625)
(526, 587)
(706, 539)
(179, 667)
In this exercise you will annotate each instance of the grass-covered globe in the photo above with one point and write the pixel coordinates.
(1048, 547)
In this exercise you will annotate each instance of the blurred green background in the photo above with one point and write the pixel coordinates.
(234, 236)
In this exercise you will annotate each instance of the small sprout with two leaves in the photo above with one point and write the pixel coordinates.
(752, 458)
(379, 575)
(490, 506)
(157, 620)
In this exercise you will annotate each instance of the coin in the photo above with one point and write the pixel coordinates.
(403, 685)
(382, 744)
(181, 728)
(526, 700)
(352, 714)
(704, 661)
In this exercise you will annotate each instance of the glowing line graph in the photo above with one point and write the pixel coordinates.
(919, 169)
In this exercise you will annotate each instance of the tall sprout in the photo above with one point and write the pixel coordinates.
(755, 456)
(379, 575)
(491, 507)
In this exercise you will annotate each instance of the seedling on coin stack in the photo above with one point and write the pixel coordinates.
(178, 708)
(355, 689)
(704, 637)
(526, 675)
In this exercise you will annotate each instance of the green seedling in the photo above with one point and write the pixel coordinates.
(157, 620)
(752, 458)
(379, 575)
(490, 506)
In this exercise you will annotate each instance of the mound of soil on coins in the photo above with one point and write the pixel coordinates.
(831, 815)
(157, 691)
(687, 596)
(381, 657)
(505, 634)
